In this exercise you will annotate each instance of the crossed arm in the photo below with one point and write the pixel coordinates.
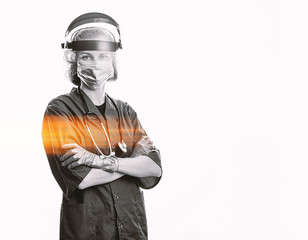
(141, 166)
(108, 169)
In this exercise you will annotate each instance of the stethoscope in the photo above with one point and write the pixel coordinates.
(120, 147)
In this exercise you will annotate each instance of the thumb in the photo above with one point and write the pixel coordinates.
(70, 145)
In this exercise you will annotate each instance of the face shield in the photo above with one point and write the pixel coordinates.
(98, 20)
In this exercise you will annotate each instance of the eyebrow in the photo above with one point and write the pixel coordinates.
(86, 52)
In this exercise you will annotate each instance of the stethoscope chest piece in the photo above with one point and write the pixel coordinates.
(120, 148)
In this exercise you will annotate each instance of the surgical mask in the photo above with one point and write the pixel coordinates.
(94, 74)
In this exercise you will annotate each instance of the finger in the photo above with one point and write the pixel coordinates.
(68, 161)
(140, 142)
(66, 155)
(144, 147)
(143, 151)
(74, 165)
(70, 146)
(82, 159)
(107, 168)
(79, 152)
(144, 138)
(148, 143)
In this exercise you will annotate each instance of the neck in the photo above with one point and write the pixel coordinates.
(96, 95)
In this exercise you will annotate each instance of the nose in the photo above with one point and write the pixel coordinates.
(96, 63)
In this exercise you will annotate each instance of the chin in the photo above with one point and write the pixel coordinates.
(97, 86)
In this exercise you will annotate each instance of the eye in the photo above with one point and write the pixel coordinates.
(86, 58)
(104, 57)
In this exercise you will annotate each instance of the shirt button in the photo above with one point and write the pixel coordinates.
(120, 225)
(116, 197)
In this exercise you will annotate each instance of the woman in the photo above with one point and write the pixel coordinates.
(97, 149)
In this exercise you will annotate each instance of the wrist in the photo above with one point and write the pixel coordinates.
(110, 164)
(102, 161)
(97, 162)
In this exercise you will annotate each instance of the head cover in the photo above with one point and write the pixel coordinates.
(94, 19)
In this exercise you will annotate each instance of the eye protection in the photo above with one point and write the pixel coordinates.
(98, 20)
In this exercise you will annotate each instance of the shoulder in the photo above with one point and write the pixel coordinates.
(62, 102)
(123, 106)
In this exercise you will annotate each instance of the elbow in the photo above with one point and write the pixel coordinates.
(157, 172)
(155, 169)
(82, 185)
(160, 173)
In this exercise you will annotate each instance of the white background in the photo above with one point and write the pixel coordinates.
(221, 88)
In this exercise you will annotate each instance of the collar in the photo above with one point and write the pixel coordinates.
(111, 116)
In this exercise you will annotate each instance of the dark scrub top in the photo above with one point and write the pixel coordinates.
(104, 212)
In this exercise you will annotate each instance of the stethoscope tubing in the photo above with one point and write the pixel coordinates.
(87, 113)
(111, 153)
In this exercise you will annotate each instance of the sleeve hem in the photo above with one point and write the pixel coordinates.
(79, 178)
(151, 182)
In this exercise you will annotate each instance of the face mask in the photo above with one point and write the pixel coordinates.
(94, 75)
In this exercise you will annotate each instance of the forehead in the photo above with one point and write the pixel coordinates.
(95, 53)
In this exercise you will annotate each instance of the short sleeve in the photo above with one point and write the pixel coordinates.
(144, 182)
(58, 129)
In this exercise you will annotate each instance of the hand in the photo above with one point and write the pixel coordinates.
(110, 164)
(143, 147)
(76, 156)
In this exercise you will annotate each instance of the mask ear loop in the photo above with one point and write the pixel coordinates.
(109, 76)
